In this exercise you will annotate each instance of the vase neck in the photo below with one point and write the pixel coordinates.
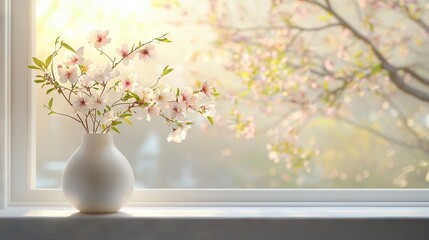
(96, 140)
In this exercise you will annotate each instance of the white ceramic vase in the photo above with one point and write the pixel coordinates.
(97, 178)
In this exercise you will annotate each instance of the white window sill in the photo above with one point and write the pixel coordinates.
(218, 223)
(226, 212)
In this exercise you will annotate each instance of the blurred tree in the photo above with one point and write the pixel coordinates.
(304, 59)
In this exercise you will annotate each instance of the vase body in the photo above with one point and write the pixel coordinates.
(97, 178)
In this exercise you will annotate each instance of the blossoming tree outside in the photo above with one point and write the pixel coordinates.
(320, 60)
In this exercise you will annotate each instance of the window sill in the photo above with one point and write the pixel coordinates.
(218, 223)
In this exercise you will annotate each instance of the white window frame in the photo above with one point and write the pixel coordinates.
(17, 176)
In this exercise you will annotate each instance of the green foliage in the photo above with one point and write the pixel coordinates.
(134, 95)
(163, 38)
(65, 45)
(116, 122)
(48, 60)
(126, 114)
(34, 67)
(376, 69)
(115, 129)
(127, 120)
(210, 120)
(39, 63)
(50, 103)
(50, 90)
(166, 70)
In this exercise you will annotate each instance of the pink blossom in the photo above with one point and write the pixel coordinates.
(146, 95)
(99, 38)
(67, 74)
(163, 96)
(179, 134)
(85, 81)
(129, 83)
(98, 101)
(102, 74)
(147, 53)
(329, 65)
(109, 117)
(208, 109)
(187, 99)
(152, 111)
(76, 58)
(124, 52)
(207, 89)
(81, 103)
(176, 111)
(249, 130)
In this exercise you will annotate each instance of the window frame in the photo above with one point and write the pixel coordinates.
(17, 163)
(4, 90)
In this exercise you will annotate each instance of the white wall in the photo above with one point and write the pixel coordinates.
(3, 96)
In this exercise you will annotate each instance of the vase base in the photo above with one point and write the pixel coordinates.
(97, 211)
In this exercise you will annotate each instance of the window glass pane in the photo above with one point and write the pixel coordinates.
(306, 101)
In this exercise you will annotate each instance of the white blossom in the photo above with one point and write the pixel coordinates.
(163, 96)
(179, 134)
(208, 109)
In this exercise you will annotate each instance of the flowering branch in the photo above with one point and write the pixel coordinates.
(85, 87)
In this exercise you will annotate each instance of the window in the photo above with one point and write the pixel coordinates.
(291, 127)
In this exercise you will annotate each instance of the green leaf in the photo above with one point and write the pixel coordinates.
(376, 69)
(210, 120)
(126, 97)
(48, 60)
(50, 113)
(128, 121)
(67, 46)
(35, 67)
(39, 81)
(114, 123)
(177, 92)
(326, 85)
(50, 103)
(115, 129)
(166, 71)
(134, 95)
(39, 62)
(50, 90)
(57, 39)
(163, 39)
